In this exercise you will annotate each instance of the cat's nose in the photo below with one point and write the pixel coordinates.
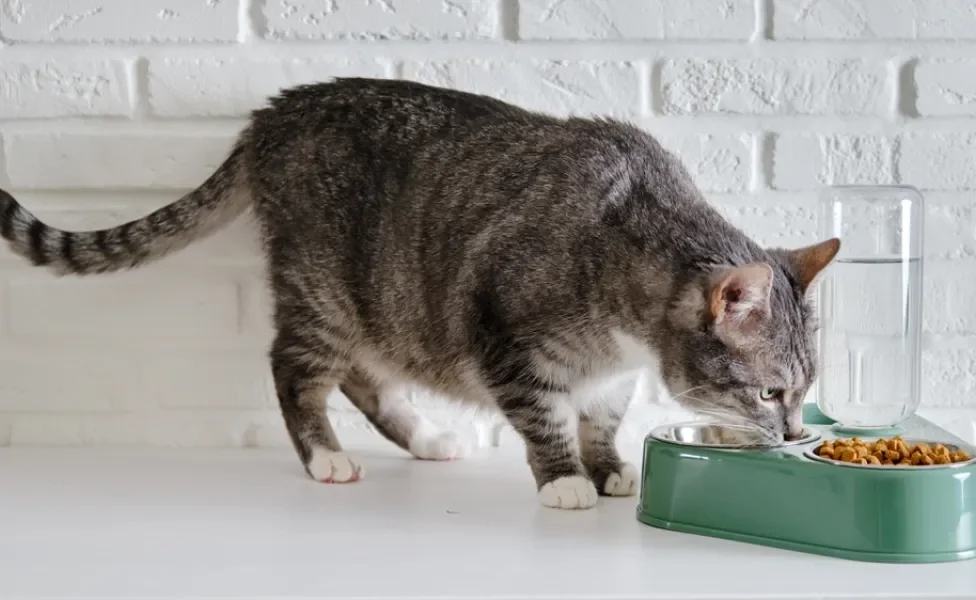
(792, 436)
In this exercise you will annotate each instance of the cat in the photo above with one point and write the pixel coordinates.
(500, 256)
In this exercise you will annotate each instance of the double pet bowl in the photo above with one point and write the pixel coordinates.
(707, 479)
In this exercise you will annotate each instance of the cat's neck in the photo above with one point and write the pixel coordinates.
(663, 262)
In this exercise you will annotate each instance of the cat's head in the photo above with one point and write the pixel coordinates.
(744, 340)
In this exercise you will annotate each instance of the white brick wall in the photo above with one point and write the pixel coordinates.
(115, 21)
(636, 20)
(194, 87)
(33, 89)
(805, 160)
(375, 20)
(586, 87)
(110, 108)
(767, 86)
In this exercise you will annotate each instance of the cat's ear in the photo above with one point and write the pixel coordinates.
(811, 260)
(739, 299)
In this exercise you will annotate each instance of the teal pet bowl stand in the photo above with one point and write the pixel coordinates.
(786, 498)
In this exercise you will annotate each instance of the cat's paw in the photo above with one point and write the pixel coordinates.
(334, 467)
(622, 482)
(571, 492)
(436, 445)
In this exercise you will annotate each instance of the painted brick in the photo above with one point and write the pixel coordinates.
(945, 19)
(105, 159)
(375, 20)
(193, 429)
(938, 161)
(4, 179)
(269, 432)
(874, 19)
(805, 161)
(114, 21)
(949, 378)
(950, 231)
(272, 434)
(774, 87)
(231, 381)
(636, 19)
(718, 163)
(843, 19)
(55, 382)
(588, 87)
(233, 87)
(62, 88)
(258, 306)
(775, 225)
(945, 88)
(180, 309)
(202, 428)
(947, 304)
(354, 429)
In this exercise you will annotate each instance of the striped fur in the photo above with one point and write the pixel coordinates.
(195, 216)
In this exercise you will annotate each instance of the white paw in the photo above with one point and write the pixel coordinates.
(334, 467)
(438, 446)
(623, 483)
(568, 492)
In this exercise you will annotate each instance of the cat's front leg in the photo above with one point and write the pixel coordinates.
(548, 425)
(598, 427)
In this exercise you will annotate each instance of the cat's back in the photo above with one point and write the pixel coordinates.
(356, 137)
(394, 111)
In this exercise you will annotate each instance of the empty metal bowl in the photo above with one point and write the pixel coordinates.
(715, 435)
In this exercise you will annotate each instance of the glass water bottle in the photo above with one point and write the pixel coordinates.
(870, 303)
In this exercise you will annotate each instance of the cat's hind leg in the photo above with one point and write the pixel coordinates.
(305, 371)
(388, 409)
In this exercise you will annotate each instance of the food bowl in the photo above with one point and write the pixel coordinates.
(720, 435)
(811, 453)
(694, 480)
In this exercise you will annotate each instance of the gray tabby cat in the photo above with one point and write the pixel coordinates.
(495, 255)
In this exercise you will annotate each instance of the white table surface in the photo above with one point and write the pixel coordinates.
(127, 523)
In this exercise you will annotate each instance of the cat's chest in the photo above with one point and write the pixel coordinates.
(612, 379)
(631, 353)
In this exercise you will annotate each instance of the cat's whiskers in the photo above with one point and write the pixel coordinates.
(727, 417)
(688, 391)
(700, 407)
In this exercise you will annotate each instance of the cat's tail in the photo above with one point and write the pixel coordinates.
(220, 199)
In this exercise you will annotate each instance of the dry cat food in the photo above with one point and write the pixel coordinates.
(893, 452)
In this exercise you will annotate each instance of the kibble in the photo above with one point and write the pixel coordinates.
(894, 452)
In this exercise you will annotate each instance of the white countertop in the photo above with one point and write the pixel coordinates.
(126, 523)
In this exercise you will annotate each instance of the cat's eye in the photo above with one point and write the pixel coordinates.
(768, 393)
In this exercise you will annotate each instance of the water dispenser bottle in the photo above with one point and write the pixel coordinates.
(870, 304)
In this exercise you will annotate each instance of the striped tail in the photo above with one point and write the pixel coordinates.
(195, 216)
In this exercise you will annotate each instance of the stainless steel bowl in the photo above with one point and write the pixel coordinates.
(910, 442)
(715, 435)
